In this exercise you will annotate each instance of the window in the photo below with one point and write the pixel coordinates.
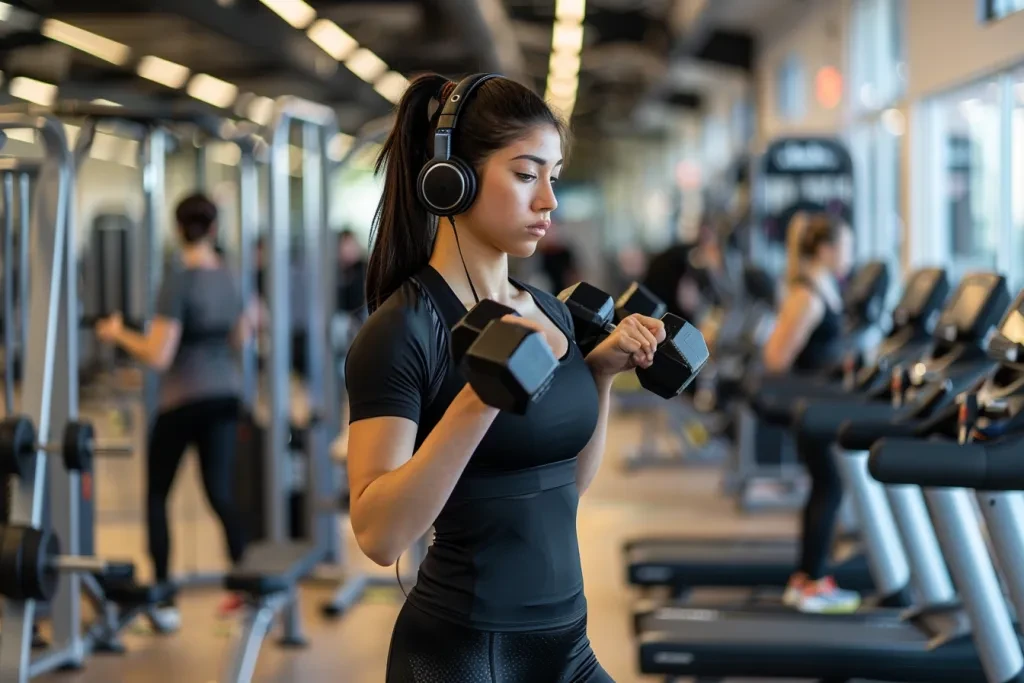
(961, 168)
(877, 60)
(791, 89)
(1016, 154)
(992, 10)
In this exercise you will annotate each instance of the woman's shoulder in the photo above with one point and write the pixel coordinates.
(405, 317)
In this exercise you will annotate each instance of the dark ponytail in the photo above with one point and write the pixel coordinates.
(403, 231)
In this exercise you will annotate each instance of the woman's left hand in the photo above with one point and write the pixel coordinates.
(109, 329)
(631, 345)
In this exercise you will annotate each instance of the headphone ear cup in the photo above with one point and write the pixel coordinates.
(446, 188)
(469, 177)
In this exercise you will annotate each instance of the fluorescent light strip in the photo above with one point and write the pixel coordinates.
(339, 146)
(5, 11)
(366, 65)
(567, 37)
(332, 39)
(295, 12)
(391, 86)
(33, 91)
(212, 90)
(106, 103)
(163, 72)
(564, 65)
(260, 110)
(570, 10)
(90, 43)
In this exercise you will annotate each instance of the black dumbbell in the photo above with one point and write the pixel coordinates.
(509, 366)
(678, 358)
(593, 311)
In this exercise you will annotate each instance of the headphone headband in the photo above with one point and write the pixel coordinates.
(447, 185)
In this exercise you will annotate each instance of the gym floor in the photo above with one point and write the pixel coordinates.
(354, 647)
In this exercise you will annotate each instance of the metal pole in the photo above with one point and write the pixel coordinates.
(10, 354)
(248, 225)
(150, 268)
(279, 388)
(25, 214)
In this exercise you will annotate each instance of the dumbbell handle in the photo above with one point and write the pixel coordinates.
(120, 451)
(78, 563)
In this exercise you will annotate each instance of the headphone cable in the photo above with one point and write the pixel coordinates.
(451, 219)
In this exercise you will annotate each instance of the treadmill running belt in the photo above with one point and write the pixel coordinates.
(688, 563)
(877, 646)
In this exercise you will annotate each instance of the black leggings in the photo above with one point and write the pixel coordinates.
(212, 427)
(425, 649)
(822, 508)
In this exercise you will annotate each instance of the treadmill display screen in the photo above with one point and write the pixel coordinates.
(1013, 326)
(968, 305)
(918, 293)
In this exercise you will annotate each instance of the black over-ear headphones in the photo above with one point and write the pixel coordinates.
(447, 184)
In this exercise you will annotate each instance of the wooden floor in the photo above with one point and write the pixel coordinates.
(353, 648)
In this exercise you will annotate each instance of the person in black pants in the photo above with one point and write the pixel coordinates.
(200, 324)
(806, 339)
(499, 596)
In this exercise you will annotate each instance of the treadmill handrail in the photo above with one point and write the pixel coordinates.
(994, 466)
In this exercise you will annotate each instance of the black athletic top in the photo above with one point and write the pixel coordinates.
(823, 347)
(505, 555)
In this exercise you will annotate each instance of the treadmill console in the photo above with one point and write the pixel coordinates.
(864, 298)
(927, 289)
(1007, 344)
(975, 308)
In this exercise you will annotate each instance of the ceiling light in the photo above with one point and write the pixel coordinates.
(5, 11)
(570, 10)
(106, 103)
(339, 146)
(366, 65)
(90, 43)
(567, 37)
(295, 12)
(212, 90)
(563, 88)
(332, 39)
(391, 86)
(163, 72)
(33, 91)
(260, 110)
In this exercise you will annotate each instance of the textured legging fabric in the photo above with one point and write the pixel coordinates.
(425, 649)
(821, 511)
(212, 427)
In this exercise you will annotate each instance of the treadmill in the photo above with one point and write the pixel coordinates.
(932, 643)
(681, 563)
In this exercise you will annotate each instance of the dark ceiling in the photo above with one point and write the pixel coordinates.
(628, 45)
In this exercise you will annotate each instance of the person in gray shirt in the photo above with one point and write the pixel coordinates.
(193, 341)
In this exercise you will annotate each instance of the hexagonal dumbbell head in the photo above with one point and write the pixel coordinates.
(677, 361)
(467, 330)
(639, 299)
(591, 309)
(509, 366)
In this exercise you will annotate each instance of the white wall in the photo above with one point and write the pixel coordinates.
(819, 37)
(947, 45)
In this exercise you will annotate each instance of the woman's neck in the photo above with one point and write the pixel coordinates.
(199, 255)
(487, 267)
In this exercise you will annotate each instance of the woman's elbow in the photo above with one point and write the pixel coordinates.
(380, 551)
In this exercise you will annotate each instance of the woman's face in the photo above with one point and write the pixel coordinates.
(839, 256)
(512, 211)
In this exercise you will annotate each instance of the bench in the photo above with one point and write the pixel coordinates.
(117, 600)
(267, 577)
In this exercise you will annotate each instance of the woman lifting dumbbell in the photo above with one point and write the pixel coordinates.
(193, 340)
(499, 596)
(806, 339)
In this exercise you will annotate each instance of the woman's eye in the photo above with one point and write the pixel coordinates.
(526, 177)
(554, 181)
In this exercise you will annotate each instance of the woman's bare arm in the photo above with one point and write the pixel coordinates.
(396, 497)
(801, 312)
